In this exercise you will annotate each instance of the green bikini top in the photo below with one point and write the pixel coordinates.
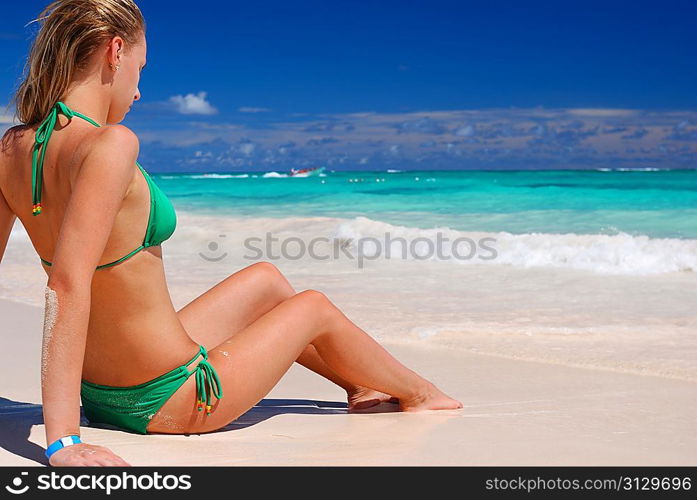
(162, 219)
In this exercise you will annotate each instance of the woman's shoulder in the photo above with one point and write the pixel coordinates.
(111, 156)
(116, 138)
(110, 148)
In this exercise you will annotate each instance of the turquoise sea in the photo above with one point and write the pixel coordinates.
(655, 203)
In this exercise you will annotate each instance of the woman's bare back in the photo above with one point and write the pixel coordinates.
(134, 333)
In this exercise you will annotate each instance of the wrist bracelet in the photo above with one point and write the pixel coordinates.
(61, 443)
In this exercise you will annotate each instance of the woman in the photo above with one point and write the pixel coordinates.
(111, 333)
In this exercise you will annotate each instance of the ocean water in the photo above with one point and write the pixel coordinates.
(627, 222)
(657, 204)
(583, 268)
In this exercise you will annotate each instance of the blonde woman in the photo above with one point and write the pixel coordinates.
(96, 220)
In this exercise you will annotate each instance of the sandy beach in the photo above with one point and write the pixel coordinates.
(553, 366)
(514, 221)
(516, 413)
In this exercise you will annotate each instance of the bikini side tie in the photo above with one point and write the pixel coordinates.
(206, 380)
(43, 134)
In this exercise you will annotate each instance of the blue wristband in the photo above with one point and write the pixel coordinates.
(61, 443)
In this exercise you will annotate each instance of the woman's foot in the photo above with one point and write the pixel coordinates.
(429, 398)
(361, 398)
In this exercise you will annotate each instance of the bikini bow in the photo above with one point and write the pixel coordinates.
(206, 380)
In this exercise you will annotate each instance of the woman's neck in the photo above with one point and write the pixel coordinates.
(90, 99)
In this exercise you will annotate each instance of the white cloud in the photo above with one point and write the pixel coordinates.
(193, 104)
(247, 148)
(5, 118)
(249, 109)
(514, 137)
(6, 121)
(466, 131)
(601, 112)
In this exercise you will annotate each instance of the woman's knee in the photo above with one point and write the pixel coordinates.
(314, 297)
(316, 305)
(269, 274)
(266, 268)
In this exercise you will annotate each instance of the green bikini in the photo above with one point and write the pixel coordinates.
(162, 219)
(131, 407)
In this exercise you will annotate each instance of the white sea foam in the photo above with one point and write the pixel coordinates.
(606, 254)
(620, 253)
(217, 176)
(622, 169)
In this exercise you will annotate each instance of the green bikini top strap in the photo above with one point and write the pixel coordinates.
(43, 134)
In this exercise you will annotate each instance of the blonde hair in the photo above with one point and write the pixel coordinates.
(71, 31)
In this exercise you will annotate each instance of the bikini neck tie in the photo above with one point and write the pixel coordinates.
(43, 134)
(206, 380)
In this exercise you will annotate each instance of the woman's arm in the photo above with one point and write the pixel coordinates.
(100, 187)
(7, 220)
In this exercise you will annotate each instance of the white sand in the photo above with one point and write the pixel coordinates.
(516, 413)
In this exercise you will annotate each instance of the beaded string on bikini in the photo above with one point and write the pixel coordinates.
(206, 378)
(43, 134)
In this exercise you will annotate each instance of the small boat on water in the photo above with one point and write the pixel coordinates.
(305, 172)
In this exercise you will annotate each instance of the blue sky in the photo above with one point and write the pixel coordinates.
(233, 86)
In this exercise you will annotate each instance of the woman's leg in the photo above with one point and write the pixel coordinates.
(358, 397)
(255, 290)
(251, 362)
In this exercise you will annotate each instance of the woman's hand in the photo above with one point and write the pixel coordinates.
(83, 454)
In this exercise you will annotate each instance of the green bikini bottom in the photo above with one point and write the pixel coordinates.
(131, 408)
